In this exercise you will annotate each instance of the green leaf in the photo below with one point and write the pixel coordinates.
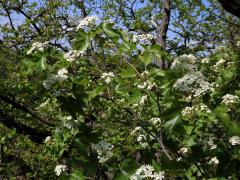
(126, 73)
(82, 42)
(77, 175)
(232, 128)
(122, 88)
(146, 58)
(188, 129)
(135, 97)
(43, 63)
(127, 168)
(109, 30)
(92, 94)
(172, 123)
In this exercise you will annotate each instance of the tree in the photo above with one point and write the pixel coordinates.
(81, 97)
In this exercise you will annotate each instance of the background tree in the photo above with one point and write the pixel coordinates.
(46, 120)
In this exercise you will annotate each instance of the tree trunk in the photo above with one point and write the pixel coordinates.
(232, 6)
(162, 35)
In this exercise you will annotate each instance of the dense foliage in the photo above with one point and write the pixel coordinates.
(100, 107)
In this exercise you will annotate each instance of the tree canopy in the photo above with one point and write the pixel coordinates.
(124, 89)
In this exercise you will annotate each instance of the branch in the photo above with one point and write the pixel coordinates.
(18, 105)
(36, 135)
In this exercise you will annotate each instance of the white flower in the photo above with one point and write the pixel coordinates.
(185, 62)
(107, 77)
(203, 108)
(214, 160)
(234, 140)
(193, 83)
(156, 122)
(146, 84)
(183, 150)
(212, 145)
(87, 22)
(48, 138)
(143, 38)
(59, 169)
(37, 46)
(69, 117)
(219, 64)
(104, 151)
(143, 100)
(147, 171)
(205, 60)
(141, 136)
(229, 99)
(68, 125)
(188, 112)
(71, 55)
(62, 73)
(108, 80)
(145, 73)
(238, 43)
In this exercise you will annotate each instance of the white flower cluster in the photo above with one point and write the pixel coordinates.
(71, 55)
(219, 64)
(148, 172)
(230, 99)
(107, 77)
(202, 108)
(211, 144)
(143, 38)
(144, 73)
(238, 43)
(189, 112)
(234, 140)
(67, 122)
(104, 151)
(141, 102)
(70, 124)
(37, 46)
(62, 73)
(183, 150)
(204, 87)
(193, 83)
(156, 122)
(87, 22)
(185, 62)
(141, 135)
(146, 84)
(205, 60)
(59, 169)
(214, 160)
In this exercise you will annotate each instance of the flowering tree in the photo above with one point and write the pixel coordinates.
(102, 109)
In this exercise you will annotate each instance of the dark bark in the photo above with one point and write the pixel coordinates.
(81, 6)
(34, 134)
(162, 36)
(232, 6)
